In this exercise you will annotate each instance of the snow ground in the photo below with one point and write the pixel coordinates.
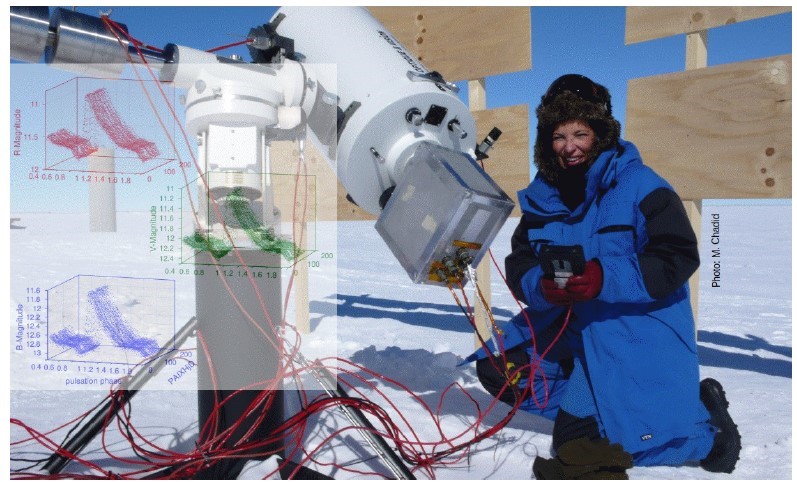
(416, 335)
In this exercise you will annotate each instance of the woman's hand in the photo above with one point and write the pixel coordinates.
(585, 286)
(553, 293)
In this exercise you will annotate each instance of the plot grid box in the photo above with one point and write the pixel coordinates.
(239, 223)
(110, 319)
(129, 116)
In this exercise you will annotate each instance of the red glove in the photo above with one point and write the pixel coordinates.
(586, 286)
(554, 294)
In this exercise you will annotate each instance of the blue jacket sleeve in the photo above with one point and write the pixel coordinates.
(523, 272)
(666, 261)
(532, 291)
(520, 260)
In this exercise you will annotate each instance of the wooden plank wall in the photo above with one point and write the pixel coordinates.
(494, 40)
(717, 132)
(648, 23)
(712, 132)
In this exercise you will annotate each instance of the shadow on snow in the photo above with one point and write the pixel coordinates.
(447, 317)
(716, 357)
(428, 375)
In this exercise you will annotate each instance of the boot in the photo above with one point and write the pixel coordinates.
(585, 459)
(727, 442)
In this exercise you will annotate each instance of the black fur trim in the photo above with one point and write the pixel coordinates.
(565, 107)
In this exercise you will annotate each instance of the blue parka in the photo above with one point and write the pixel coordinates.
(637, 338)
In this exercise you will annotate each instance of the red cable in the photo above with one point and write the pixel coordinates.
(135, 42)
(414, 450)
(234, 44)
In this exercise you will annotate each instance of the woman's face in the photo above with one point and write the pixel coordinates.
(572, 143)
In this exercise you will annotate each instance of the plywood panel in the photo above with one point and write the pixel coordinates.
(718, 132)
(647, 23)
(327, 196)
(463, 43)
(508, 163)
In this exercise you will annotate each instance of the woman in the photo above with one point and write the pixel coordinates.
(610, 350)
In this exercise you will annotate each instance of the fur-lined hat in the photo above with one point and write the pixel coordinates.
(573, 97)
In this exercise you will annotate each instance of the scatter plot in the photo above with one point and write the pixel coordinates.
(118, 131)
(129, 117)
(80, 343)
(109, 319)
(242, 217)
(80, 146)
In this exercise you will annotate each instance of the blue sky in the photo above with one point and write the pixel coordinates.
(586, 40)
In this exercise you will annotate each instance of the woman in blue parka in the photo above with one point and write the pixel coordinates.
(610, 353)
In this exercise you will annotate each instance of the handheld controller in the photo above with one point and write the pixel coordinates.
(562, 262)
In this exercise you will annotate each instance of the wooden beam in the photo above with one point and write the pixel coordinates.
(697, 50)
(717, 132)
(300, 212)
(648, 23)
(463, 43)
(477, 95)
(477, 101)
(301, 273)
(696, 58)
(694, 211)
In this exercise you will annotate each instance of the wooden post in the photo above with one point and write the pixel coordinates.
(694, 210)
(302, 283)
(477, 95)
(696, 58)
(477, 100)
(301, 278)
(697, 50)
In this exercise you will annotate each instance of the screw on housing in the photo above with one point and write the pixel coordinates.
(455, 127)
(414, 116)
(377, 156)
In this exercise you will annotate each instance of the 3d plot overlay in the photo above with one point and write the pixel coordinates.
(109, 319)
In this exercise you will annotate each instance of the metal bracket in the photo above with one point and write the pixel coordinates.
(435, 77)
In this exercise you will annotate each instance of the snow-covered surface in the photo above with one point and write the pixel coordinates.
(417, 335)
